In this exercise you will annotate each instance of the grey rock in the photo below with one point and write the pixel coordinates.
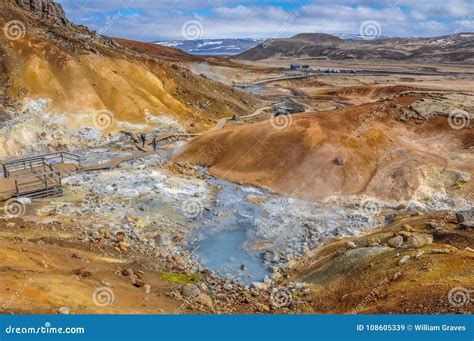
(416, 240)
(403, 260)
(395, 242)
(190, 290)
(464, 216)
(44, 8)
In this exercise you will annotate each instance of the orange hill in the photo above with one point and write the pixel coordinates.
(81, 72)
(382, 160)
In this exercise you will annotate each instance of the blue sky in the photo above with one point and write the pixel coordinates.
(149, 20)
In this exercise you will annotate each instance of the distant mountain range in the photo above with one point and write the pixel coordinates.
(213, 47)
(456, 48)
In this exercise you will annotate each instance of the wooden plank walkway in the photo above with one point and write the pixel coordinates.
(8, 185)
(115, 162)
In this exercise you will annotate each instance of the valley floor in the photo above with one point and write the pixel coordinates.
(233, 221)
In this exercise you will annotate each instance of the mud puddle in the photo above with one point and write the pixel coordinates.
(221, 242)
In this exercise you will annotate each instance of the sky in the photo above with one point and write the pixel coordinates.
(149, 20)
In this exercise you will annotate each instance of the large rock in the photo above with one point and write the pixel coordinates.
(190, 291)
(464, 216)
(417, 240)
(205, 300)
(395, 242)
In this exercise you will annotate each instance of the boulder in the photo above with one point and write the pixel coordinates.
(190, 290)
(395, 242)
(417, 240)
(463, 216)
(205, 300)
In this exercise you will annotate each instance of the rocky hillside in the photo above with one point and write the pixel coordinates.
(76, 72)
(458, 48)
(43, 8)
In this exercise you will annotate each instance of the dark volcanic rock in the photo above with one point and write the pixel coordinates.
(44, 8)
(463, 216)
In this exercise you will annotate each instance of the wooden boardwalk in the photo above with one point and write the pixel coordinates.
(36, 176)
(44, 172)
(115, 162)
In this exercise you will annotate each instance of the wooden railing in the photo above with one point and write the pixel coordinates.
(38, 182)
(36, 162)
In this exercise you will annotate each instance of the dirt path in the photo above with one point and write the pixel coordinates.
(223, 121)
(271, 80)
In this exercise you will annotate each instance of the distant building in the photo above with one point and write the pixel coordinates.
(295, 66)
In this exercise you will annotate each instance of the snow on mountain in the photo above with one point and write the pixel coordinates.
(213, 46)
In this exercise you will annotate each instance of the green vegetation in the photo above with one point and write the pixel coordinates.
(179, 278)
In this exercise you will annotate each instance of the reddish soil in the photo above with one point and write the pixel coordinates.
(382, 159)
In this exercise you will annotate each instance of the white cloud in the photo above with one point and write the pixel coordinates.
(151, 20)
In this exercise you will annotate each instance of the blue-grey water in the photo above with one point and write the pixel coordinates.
(221, 241)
